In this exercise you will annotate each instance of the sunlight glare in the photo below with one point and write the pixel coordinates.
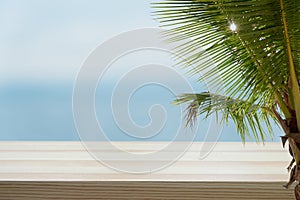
(233, 26)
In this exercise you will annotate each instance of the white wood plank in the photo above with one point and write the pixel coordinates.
(71, 161)
(138, 146)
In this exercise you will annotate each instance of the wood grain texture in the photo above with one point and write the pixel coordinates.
(59, 161)
(143, 190)
(66, 170)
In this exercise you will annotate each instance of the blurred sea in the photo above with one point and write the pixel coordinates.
(39, 111)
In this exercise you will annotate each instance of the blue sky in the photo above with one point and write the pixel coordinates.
(50, 39)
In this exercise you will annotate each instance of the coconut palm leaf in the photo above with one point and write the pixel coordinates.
(246, 116)
(254, 46)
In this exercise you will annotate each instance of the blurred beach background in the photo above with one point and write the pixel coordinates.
(43, 45)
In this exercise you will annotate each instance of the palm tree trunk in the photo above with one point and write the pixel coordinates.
(297, 192)
(294, 147)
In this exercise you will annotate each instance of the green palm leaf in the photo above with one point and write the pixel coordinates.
(246, 116)
(258, 63)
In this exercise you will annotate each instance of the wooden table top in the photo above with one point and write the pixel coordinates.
(65, 170)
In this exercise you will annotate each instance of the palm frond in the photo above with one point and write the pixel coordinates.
(256, 51)
(248, 118)
(253, 61)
